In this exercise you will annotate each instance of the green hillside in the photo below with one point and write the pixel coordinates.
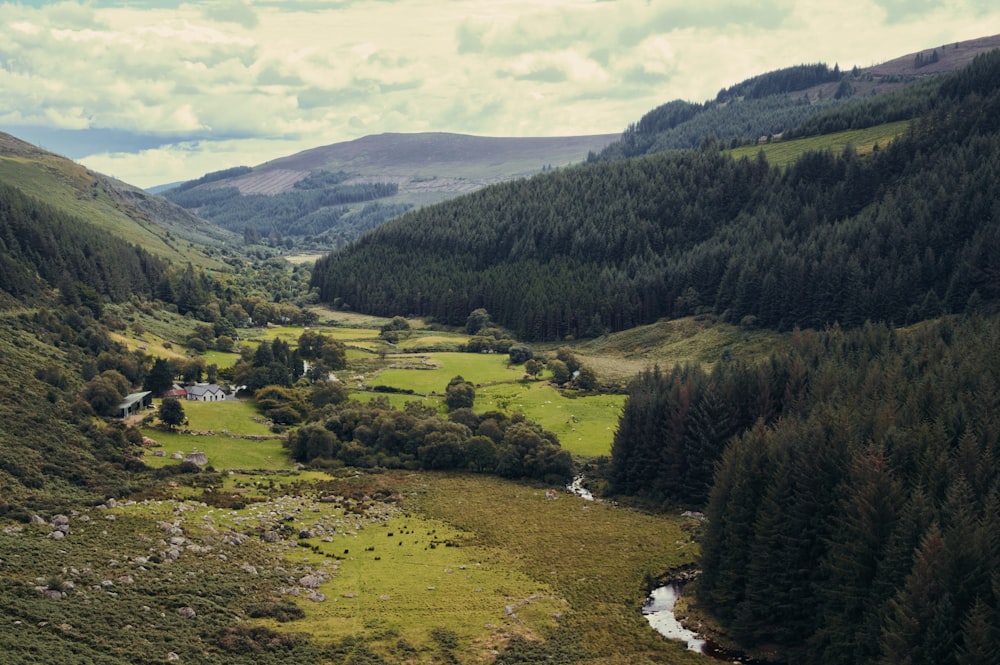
(862, 141)
(127, 212)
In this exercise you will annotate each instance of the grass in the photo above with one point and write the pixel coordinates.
(431, 372)
(221, 420)
(783, 153)
(616, 358)
(585, 424)
(223, 452)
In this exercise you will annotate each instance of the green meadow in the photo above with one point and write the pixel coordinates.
(783, 153)
(217, 425)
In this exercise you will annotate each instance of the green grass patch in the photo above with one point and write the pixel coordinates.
(585, 424)
(232, 416)
(783, 153)
(431, 372)
(223, 452)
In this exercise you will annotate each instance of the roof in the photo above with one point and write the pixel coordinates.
(132, 399)
(204, 389)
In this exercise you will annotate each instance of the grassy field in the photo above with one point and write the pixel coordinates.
(443, 568)
(216, 423)
(783, 153)
(431, 372)
(585, 425)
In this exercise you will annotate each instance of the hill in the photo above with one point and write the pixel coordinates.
(617, 244)
(130, 213)
(328, 195)
(768, 106)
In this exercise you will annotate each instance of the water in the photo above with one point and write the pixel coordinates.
(577, 488)
(659, 612)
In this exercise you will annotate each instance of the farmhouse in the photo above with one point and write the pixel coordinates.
(134, 403)
(206, 392)
(176, 392)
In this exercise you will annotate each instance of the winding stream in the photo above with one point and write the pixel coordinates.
(659, 612)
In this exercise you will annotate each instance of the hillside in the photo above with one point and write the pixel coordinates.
(130, 213)
(623, 243)
(767, 106)
(326, 196)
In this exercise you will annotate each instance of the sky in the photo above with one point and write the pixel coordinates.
(159, 91)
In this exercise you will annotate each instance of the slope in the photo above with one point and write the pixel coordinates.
(128, 212)
(771, 104)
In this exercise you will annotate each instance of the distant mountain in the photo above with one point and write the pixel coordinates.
(328, 195)
(145, 220)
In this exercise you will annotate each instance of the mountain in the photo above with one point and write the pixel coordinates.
(327, 196)
(132, 214)
(776, 103)
(905, 233)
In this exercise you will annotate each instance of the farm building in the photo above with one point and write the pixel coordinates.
(134, 403)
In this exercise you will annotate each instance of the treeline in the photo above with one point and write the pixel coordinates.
(85, 262)
(789, 79)
(310, 209)
(854, 512)
(418, 437)
(214, 176)
(907, 233)
(765, 105)
(683, 126)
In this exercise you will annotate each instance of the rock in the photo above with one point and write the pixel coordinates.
(57, 535)
(53, 594)
(111, 503)
(310, 581)
(177, 455)
(187, 612)
(37, 519)
(271, 537)
(201, 459)
(172, 657)
(317, 597)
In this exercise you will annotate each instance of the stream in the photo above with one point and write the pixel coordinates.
(659, 608)
(659, 612)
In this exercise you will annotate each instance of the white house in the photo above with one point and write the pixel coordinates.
(206, 392)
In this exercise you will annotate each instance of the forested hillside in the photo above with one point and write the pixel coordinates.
(854, 517)
(907, 233)
(142, 219)
(783, 102)
(41, 247)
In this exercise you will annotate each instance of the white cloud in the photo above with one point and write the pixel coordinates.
(291, 74)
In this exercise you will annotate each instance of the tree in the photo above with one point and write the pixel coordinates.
(460, 394)
(160, 378)
(478, 319)
(104, 393)
(520, 353)
(171, 412)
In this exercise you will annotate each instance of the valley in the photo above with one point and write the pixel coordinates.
(772, 364)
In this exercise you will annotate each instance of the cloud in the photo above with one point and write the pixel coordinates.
(231, 11)
(279, 74)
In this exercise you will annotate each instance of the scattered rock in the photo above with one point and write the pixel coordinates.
(187, 612)
(172, 657)
(57, 535)
(37, 519)
(310, 581)
(53, 594)
(317, 597)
